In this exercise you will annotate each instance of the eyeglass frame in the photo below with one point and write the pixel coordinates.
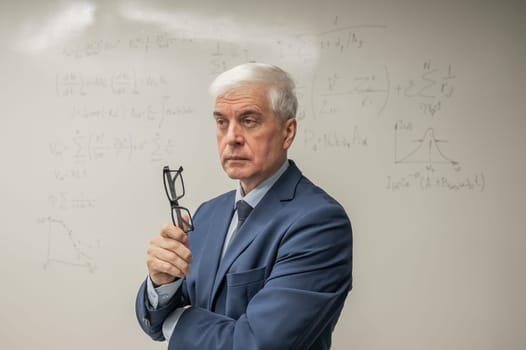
(173, 198)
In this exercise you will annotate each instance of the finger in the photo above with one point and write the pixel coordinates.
(158, 266)
(180, 259)
(174, 232)
(161, 247)
(167, 261)
(181, 250)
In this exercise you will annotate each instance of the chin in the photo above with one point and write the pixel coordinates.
(233, 172)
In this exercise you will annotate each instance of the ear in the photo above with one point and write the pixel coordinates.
(289, 132)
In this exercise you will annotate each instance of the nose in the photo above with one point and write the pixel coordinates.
(234, 135)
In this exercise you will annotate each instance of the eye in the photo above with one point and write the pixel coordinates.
(249, 122)
(221, 123)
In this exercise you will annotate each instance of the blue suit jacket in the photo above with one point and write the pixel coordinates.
(281, 284)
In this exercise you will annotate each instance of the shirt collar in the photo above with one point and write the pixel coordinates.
(254, 196)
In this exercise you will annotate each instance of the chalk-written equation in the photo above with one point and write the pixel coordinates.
(340, 39)
(332, 140)
(71, 201)
(338, 91)
(154, 111)
(71, 83)
(427, 181)
(432, 86)
(86, 146)
(111, 124)
(144, 42)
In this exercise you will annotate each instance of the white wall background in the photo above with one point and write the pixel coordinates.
(412, 115)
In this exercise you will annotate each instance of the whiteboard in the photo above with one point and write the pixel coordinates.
(411, 115)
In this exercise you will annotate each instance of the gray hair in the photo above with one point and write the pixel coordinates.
(280, 85)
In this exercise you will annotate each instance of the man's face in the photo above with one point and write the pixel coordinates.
(252, 141)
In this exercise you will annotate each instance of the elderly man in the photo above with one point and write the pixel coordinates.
(279, 280)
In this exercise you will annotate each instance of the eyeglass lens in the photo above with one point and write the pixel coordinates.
(173, 183)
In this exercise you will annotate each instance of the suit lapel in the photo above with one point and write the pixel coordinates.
(245, 235)
(283, 190)
(219, 222)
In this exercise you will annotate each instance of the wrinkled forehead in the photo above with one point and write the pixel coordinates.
(255, 92)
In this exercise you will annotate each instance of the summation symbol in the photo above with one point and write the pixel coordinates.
(63, 248)
(427, 151)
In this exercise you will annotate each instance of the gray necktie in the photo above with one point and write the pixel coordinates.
(243, 210)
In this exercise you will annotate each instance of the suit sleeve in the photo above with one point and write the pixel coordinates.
(302, 297)
(151, 319)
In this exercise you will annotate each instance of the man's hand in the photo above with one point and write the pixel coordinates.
(168, 255)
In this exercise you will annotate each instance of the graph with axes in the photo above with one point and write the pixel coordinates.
(426, 150)
(64, 248)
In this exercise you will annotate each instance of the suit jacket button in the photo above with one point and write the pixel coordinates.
(146, 322)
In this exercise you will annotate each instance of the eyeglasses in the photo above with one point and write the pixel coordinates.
(174, 187)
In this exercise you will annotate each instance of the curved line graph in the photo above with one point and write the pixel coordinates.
(427, 151)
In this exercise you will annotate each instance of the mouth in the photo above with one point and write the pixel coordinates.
(236, 159)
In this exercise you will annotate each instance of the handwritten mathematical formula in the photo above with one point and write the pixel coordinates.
(93, 146)
(70, 84)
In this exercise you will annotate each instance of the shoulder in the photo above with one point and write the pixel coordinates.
(313, 206)
(312, 198)
(304, 208)
(224, 199)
